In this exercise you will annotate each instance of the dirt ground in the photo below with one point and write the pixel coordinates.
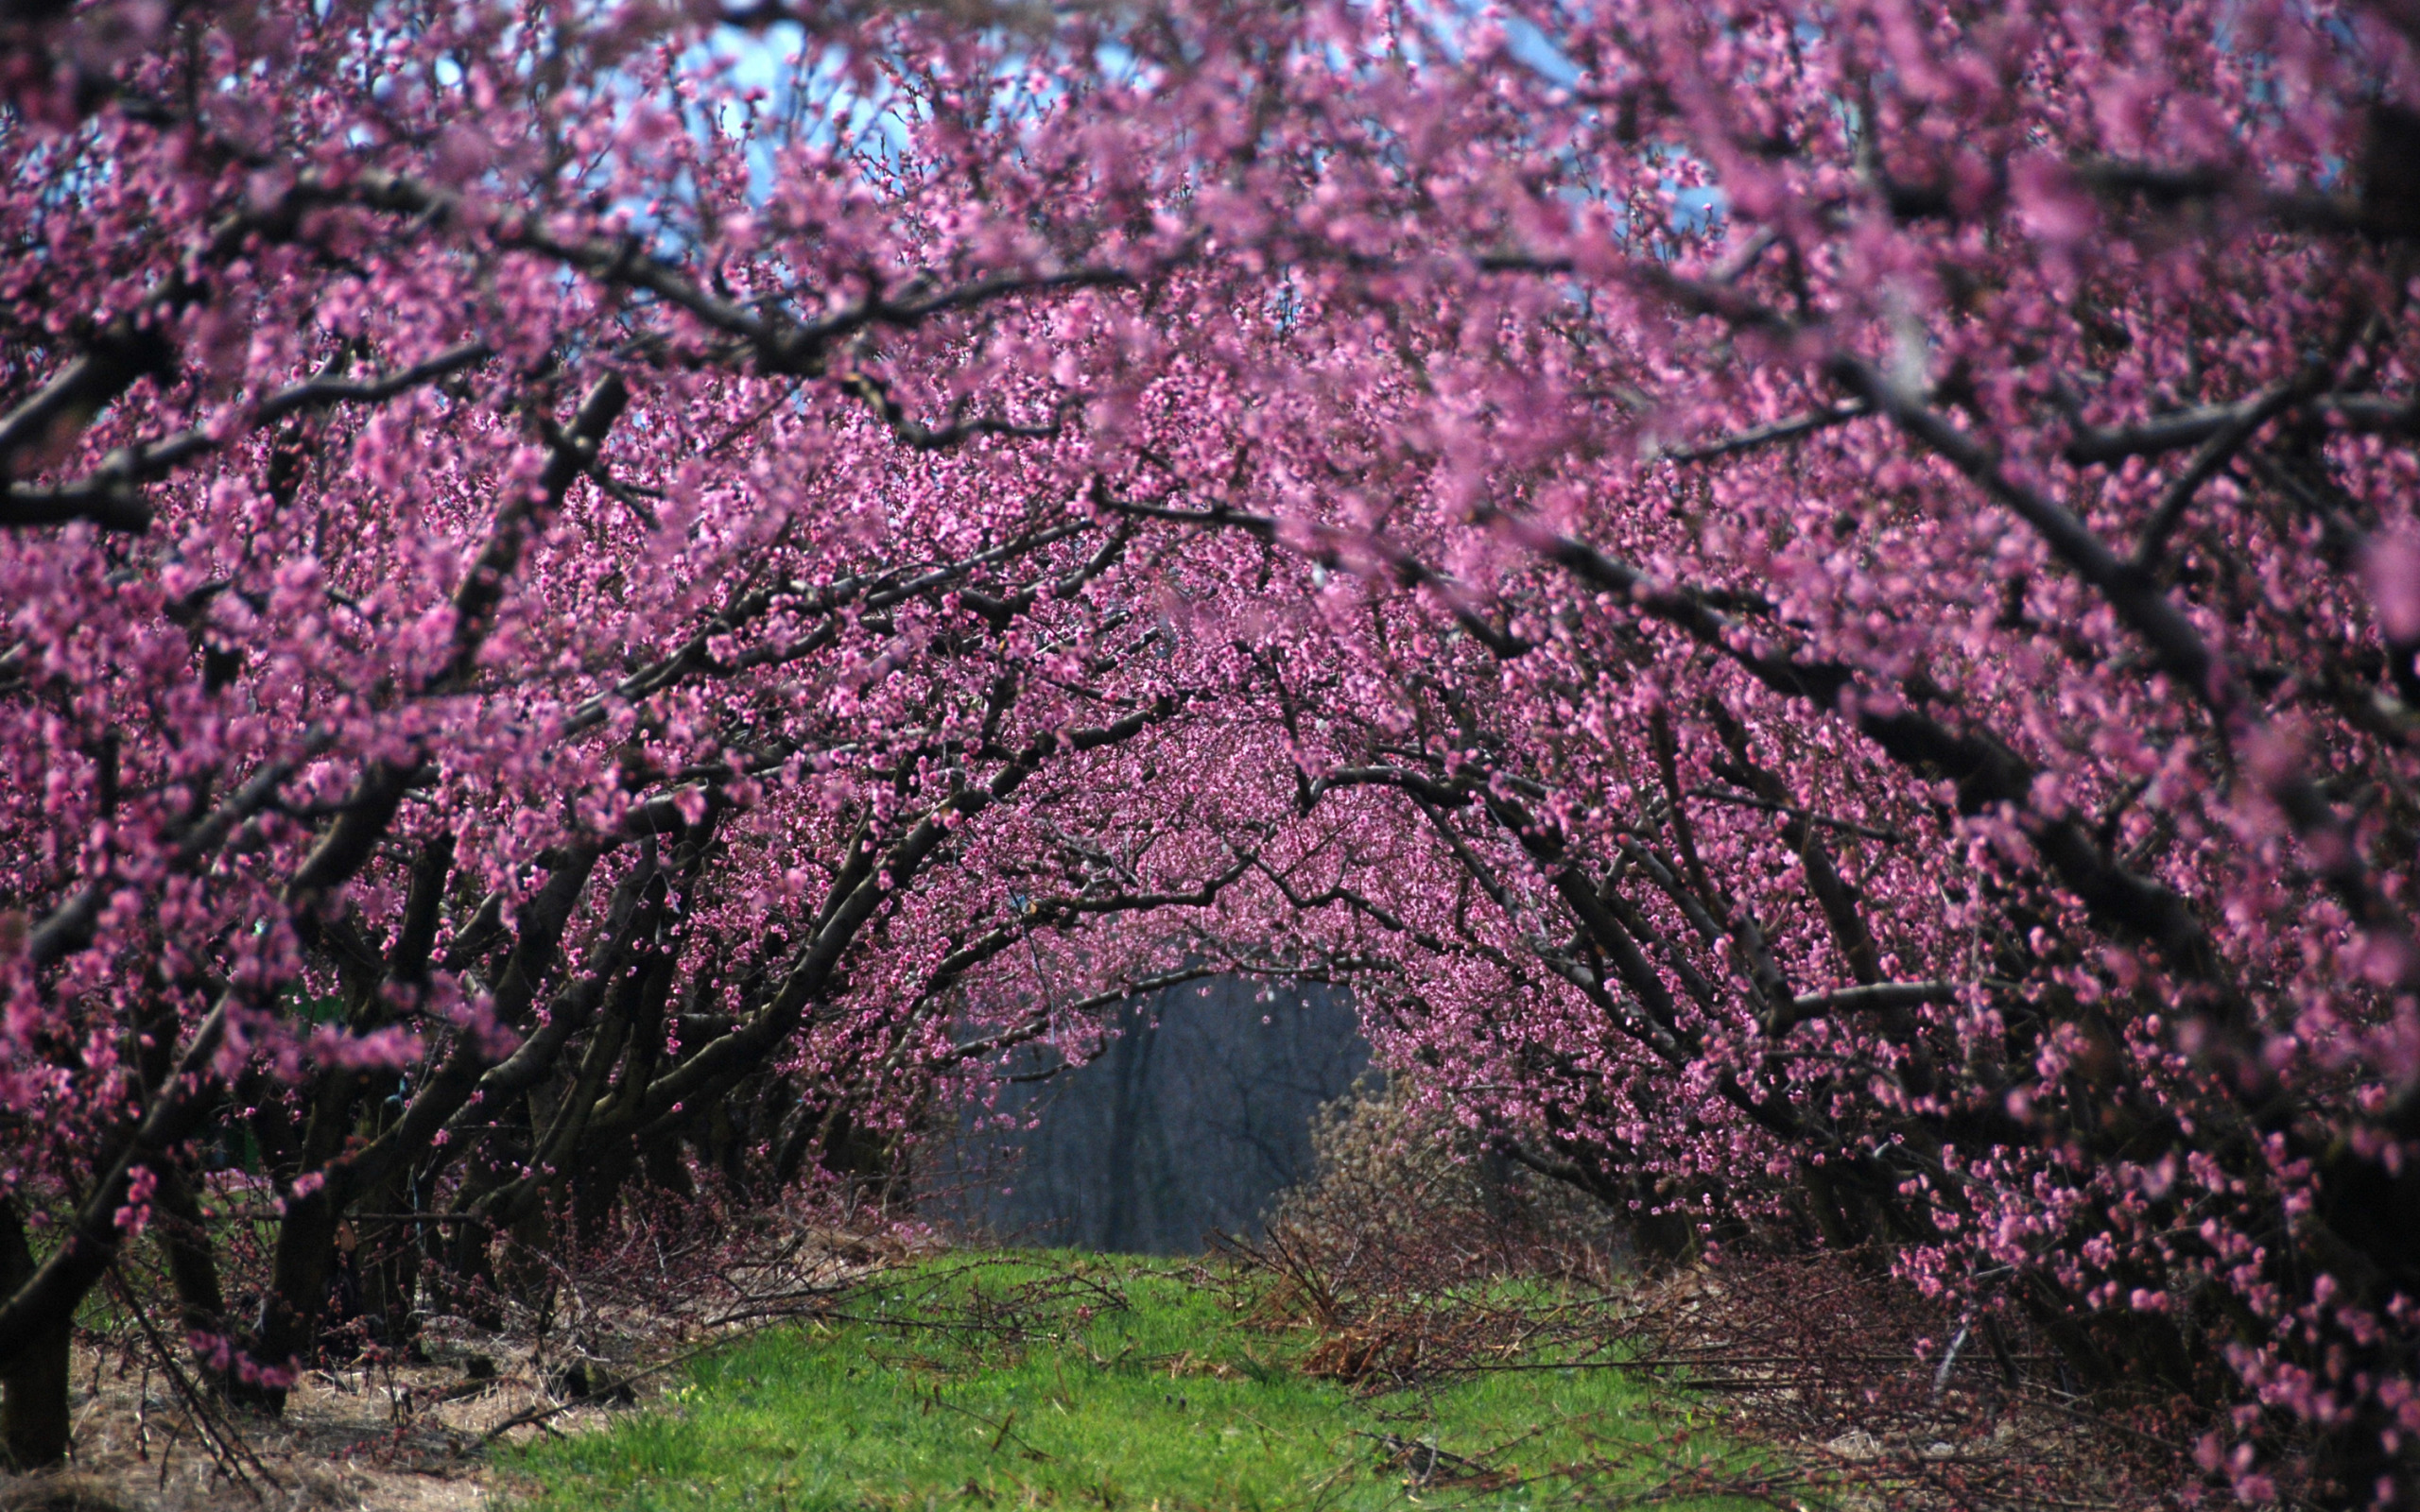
(407, 1437)
(1801, 1358)
(415, 1437)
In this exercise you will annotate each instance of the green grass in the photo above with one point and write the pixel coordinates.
(971, 1384)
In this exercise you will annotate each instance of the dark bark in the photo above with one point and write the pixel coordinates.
(307, 1234)
(91, 1242)
(34, 1424)
(193, 1268)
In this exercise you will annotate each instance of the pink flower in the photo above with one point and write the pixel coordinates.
(2053, 202)
(2391, 567)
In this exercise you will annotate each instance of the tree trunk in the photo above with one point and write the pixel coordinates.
(33, 1389)
(1123, 1228)
(287, 1331)
(193, 1267)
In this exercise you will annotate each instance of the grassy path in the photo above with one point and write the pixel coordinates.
(968, 1384)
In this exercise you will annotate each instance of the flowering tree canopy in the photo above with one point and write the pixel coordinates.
(1815, 604)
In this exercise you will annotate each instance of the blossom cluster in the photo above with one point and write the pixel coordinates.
(1814, 605)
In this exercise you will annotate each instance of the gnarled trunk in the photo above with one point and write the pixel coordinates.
(34, 1426)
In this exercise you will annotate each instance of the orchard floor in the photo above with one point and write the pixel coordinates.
(1025, 1382)
(405, 1439)
(827, 1376)
(425, 1436)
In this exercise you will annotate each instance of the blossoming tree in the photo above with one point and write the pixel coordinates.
(1815, 604)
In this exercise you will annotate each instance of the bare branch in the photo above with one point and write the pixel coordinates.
(111, 495)
(1780, 430)
(2378, 414)
(1877, 996)
(1794, 811)
(2214, 453)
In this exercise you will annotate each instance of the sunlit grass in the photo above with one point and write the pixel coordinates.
(1034, 1381)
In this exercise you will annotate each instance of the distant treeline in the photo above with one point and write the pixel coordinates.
(1190, 1119)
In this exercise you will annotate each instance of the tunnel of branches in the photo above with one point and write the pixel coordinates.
(636, 616)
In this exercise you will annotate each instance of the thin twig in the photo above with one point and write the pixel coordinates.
(227, 1447)
(1794, 811)
(1780, 430)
